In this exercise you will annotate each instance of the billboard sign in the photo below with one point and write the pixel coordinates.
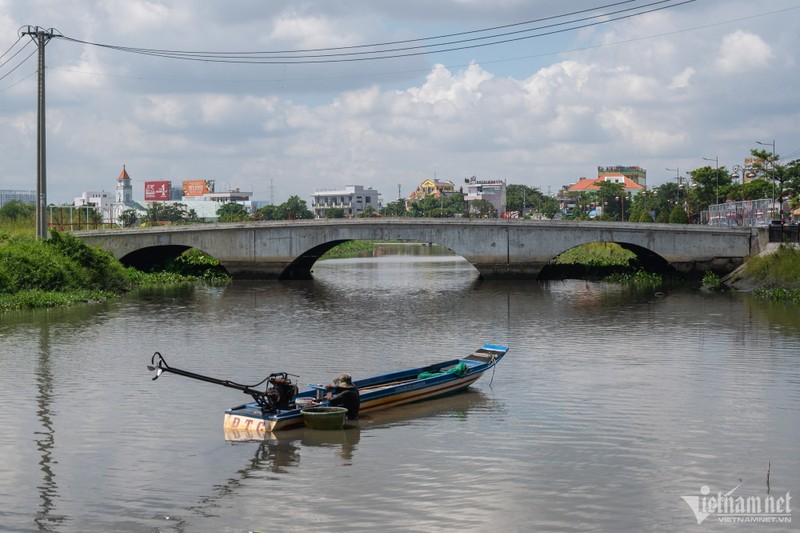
(156, 190)
(197, 187)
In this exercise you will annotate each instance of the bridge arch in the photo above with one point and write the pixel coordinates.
(144, 258)
(644, 259)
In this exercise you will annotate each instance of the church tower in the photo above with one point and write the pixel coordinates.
(124, 188)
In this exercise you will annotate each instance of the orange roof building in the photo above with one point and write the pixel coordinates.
(593, 184)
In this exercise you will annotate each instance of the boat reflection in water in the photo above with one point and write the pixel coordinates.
(281, 449)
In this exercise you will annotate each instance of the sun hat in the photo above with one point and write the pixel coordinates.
(344, 381)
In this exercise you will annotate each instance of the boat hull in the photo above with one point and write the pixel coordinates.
(378, 393)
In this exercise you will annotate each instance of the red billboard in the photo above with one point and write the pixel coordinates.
(156, 190)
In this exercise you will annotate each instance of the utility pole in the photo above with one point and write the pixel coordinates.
(41, 37)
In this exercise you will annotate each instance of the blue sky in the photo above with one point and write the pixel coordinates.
(661, 90)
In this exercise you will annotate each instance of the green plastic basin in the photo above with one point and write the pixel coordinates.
(324, 417)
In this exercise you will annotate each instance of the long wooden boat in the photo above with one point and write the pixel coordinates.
(379, 392)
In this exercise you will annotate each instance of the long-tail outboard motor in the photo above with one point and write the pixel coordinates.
(278, 394)
(281, 391)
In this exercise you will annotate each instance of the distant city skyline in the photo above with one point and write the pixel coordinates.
(664, 89)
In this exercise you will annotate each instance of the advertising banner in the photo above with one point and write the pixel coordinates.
(156, 190)
(197, 187)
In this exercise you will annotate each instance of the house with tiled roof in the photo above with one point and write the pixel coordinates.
(432, 187)
(593, 184)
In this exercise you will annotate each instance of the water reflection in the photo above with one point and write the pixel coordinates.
(45, 439)
(278, 455)
(278, 452)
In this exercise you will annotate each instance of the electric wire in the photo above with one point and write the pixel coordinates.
(32, 74)
(337, 56)
(10, 48)
(17, 66)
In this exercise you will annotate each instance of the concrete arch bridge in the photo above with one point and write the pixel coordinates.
(498, 249)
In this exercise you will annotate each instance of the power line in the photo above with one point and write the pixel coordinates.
(17, 66)
(381, 51)
(449, 65)
(15, 54)
(11, 47)
(32, 74)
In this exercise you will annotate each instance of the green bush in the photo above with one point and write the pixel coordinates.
(678, 215)
(197, 264)
(27, 264)
(711, 281)
(103, 271)
(61, 263)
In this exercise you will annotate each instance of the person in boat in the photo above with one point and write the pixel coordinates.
(343, 393)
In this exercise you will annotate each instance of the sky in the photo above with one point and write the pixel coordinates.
(662, 85)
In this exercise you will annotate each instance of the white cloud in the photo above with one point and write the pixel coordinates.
(683, 79)
(651, 90)
(743, 53)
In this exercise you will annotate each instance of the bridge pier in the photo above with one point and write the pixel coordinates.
(251, 270)
(718, 265)
(509, 271)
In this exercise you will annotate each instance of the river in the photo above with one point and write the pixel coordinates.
(611, 407)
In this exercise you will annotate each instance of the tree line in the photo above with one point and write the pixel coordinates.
(679, 202)
(684, 201)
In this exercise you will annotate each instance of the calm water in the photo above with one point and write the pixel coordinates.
(609, 407)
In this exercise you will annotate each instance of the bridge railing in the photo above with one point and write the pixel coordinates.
(747, 213)
(784, 232)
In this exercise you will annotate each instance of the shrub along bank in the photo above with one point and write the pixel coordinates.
(774, 276)
(63, 270)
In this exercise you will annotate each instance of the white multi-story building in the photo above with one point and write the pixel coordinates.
(353, 200)
(100, 200)
(493, 191)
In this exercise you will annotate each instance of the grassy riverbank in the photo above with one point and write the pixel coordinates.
(62, 270)
(774, 276)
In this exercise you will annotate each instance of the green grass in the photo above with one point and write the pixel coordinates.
(779, 270)
(639, 278)
(779, 295)
(597, 254)
(62, 270)
(17, 227)
(36, 298)
(350, 249)
(776, 276)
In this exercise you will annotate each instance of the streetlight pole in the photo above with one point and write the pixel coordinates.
(716, 159)
(677, 178)
(743, 170)
(772, 164)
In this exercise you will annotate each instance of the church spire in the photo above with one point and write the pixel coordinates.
(124, 174)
